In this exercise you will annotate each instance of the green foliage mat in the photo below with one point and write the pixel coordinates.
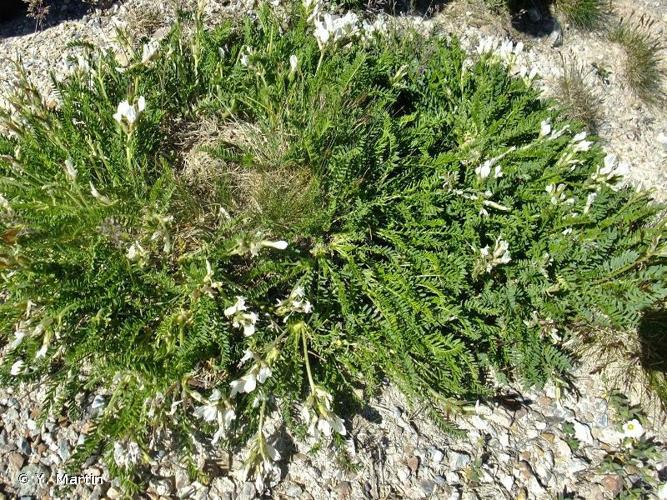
(383, 207)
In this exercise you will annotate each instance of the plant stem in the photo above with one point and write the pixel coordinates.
(305, 357)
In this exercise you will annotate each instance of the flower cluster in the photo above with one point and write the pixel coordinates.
(127, 114)
(318, 415)
(241, 318)
(136, 253)
(331, 28)
(557, 193)
(259, 372)
(219, 410)
(294, 303)
(547, 131)
(499, 255)
(610, 170)
(508, 52)
(579, 142)
(261, 462)
(484, 170)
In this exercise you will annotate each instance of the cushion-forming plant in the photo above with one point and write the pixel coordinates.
(371, 205)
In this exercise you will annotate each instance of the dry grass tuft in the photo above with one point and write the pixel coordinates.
(644, 65)
(267, 190)
(578, 97)
(584, 14)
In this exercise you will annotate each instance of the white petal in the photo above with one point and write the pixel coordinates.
(249, 383)
(16, 368)
(279, 245)
(324, 427)
(272, 452)
(338, 425)
(264, 373)
(228, 416)
(239, 305)
(208, 413)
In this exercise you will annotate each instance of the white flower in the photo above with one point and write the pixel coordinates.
(501, 252)
(238, 306)
(225, 419)
(4, 204)
(579, 137)
(662, 491)
(99, 197)
(557, 193)
(136, 252)
(633, 429)
(19, 335)
(247, 356)
(545, 127)
(149, 51)
(612, 168)
(42, 351)
(125, 112)
(296, 302)
(70, 170)
(248, 382)
(224, 214)
(334, 28)
(256, 246)
(241, 319)
(263, 374)
(246, 321)
(579, 143)
(589, 201)
(207, 412)
(212, 411)
(128, 113)
(293, 63)
(321, 34)
(499, 255)
(319, 417)
(483, 170)
(16, 368)
(245, 384)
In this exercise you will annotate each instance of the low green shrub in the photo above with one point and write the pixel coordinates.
(365, 204)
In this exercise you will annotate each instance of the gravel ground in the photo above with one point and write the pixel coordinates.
(536, 444)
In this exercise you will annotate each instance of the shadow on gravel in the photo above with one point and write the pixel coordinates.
(15, 22)
(653, 336)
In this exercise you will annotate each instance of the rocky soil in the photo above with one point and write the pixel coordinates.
(523, 444)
